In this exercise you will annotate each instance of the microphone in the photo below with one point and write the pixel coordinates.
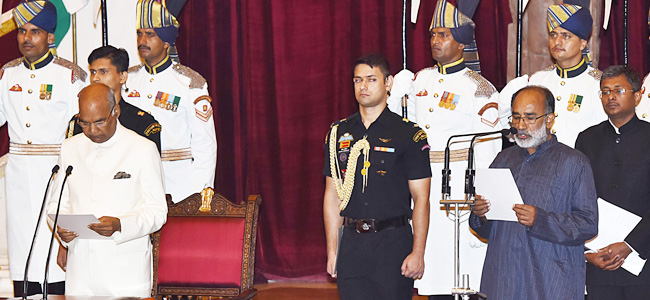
(68, 171)
(471, 172)
(405, 106)
(446, 172)
(38, 221)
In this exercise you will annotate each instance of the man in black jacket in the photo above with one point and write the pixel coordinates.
(617, 149)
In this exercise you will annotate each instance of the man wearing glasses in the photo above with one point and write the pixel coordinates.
(617, 149)
(541, 256)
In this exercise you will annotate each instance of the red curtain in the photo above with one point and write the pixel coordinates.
(280, 73)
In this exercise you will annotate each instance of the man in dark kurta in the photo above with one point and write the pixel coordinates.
(541, 255)
(382, 161)
(618, 151)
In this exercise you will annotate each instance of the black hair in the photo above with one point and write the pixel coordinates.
(118, 57)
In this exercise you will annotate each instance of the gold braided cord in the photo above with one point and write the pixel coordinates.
(344, 191)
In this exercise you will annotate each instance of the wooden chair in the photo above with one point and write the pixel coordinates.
(206, 249)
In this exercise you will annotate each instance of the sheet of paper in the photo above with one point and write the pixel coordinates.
(499, 187)
(79, 224)
(614, 224)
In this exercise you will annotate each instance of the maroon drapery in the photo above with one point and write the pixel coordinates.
(280, 72)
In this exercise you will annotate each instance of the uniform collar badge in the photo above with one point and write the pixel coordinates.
(16, 88)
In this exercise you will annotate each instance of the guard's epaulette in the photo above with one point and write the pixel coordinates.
(196, 80)
(596, 74)
(483, 87)
(338, 122)
(14, 63)
(77, 72)
(429, 68)
(135, 68)
(549, 68)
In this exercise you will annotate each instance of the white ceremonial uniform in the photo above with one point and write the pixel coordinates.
(178, 99)
(643, 109)
(36, 101)
(454, 101)
(120, 178)
(577, 105)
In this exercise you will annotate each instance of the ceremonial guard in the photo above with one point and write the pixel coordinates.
(37, 98)
(374, 162)
(177, 97)
(108, 65)
(572, 81)
(643, 109)
(451, 99)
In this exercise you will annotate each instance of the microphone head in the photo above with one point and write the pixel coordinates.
(68, 171)
(513, 130)
(55, 169)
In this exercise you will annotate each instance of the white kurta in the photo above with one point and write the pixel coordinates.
(189, 125)
(475, 109)
(32, 120)
(121, 178)
(572, 118)
(643, 109)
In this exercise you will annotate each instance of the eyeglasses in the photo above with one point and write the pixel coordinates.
(527, 119)
(99, 124)
(617, 91)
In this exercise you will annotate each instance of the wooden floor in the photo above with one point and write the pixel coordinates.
(301, 291)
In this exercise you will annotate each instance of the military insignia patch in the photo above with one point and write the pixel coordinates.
(203, 108)
(422, 93)
(134, 93)
(449, 100)
(16, 88)
(419, 136)
(381, 172)
(384, 149)
(425, 147)
(167, 101)
(152, 129)
(482, 111)
(46, 92)
(574, 103)
(343, 156)
(345, 140)
(385, 140)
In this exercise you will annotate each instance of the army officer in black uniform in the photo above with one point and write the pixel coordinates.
(109, 65)
(375, 161)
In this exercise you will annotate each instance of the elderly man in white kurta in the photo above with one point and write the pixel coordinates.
(117, 177)
(643, 109)
(450, 99)
(37, 97)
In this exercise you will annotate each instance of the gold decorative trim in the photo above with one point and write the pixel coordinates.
(176, 154)
(34, 149)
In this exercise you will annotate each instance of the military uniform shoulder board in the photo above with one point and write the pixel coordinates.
(483, 87)
(203, 108)
(77, 72)
(596, 74)
(425, 69)
(549, 68)
(135, 68)
(14, 63)
(196, 80)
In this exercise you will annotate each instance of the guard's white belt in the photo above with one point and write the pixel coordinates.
(34, 149)
(176, 154)
(454, 155)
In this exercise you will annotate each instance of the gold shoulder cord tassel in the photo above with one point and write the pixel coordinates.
(344, 190)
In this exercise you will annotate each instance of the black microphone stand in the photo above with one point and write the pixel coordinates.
(68, 171)
(38, 222)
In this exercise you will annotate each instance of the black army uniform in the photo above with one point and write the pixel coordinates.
(377, 236)
(132, 118)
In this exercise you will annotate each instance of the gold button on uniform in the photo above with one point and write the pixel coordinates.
(441, 80)
(555, 114)
(28, 125)
(27, 108)
(427, 126)
(151, 80)
(29, 91)
(645, 115)
(553, 131)
(149, 96)
(29, 141)
(431, 109)
(562, 83)
(559, 98)
(435, 95)
(32, 76)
